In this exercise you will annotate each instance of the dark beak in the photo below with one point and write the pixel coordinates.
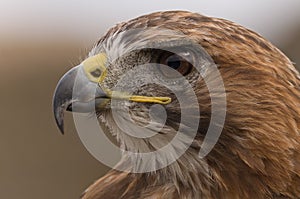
(76, 93)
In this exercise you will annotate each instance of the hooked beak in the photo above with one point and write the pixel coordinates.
(76, 93)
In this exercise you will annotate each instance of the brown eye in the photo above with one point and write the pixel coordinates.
(174, 63)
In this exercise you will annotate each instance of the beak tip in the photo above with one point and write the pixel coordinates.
(62, 97)
(61, 127)
(59, 115)
(62, 130)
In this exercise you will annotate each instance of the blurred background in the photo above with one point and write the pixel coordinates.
(41, 40)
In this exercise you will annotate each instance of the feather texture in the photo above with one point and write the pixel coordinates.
(258, 153)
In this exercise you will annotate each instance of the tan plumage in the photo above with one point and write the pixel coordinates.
(258, 153)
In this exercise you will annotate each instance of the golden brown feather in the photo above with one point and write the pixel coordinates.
(258, 153)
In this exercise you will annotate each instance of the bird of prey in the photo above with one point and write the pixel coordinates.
(258, 152)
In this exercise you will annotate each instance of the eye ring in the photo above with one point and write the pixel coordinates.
(174, 62)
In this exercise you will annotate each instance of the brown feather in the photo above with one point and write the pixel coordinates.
(258, 154)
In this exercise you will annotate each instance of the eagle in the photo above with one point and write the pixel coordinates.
(172, 73)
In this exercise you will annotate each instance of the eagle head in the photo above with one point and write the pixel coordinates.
(200, 107)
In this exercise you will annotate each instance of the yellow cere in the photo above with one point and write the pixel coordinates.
(94, 67)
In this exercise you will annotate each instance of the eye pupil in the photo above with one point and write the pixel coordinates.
(173, 63)
(96, 73)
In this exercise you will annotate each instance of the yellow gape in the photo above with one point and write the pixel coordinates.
(94, 68)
